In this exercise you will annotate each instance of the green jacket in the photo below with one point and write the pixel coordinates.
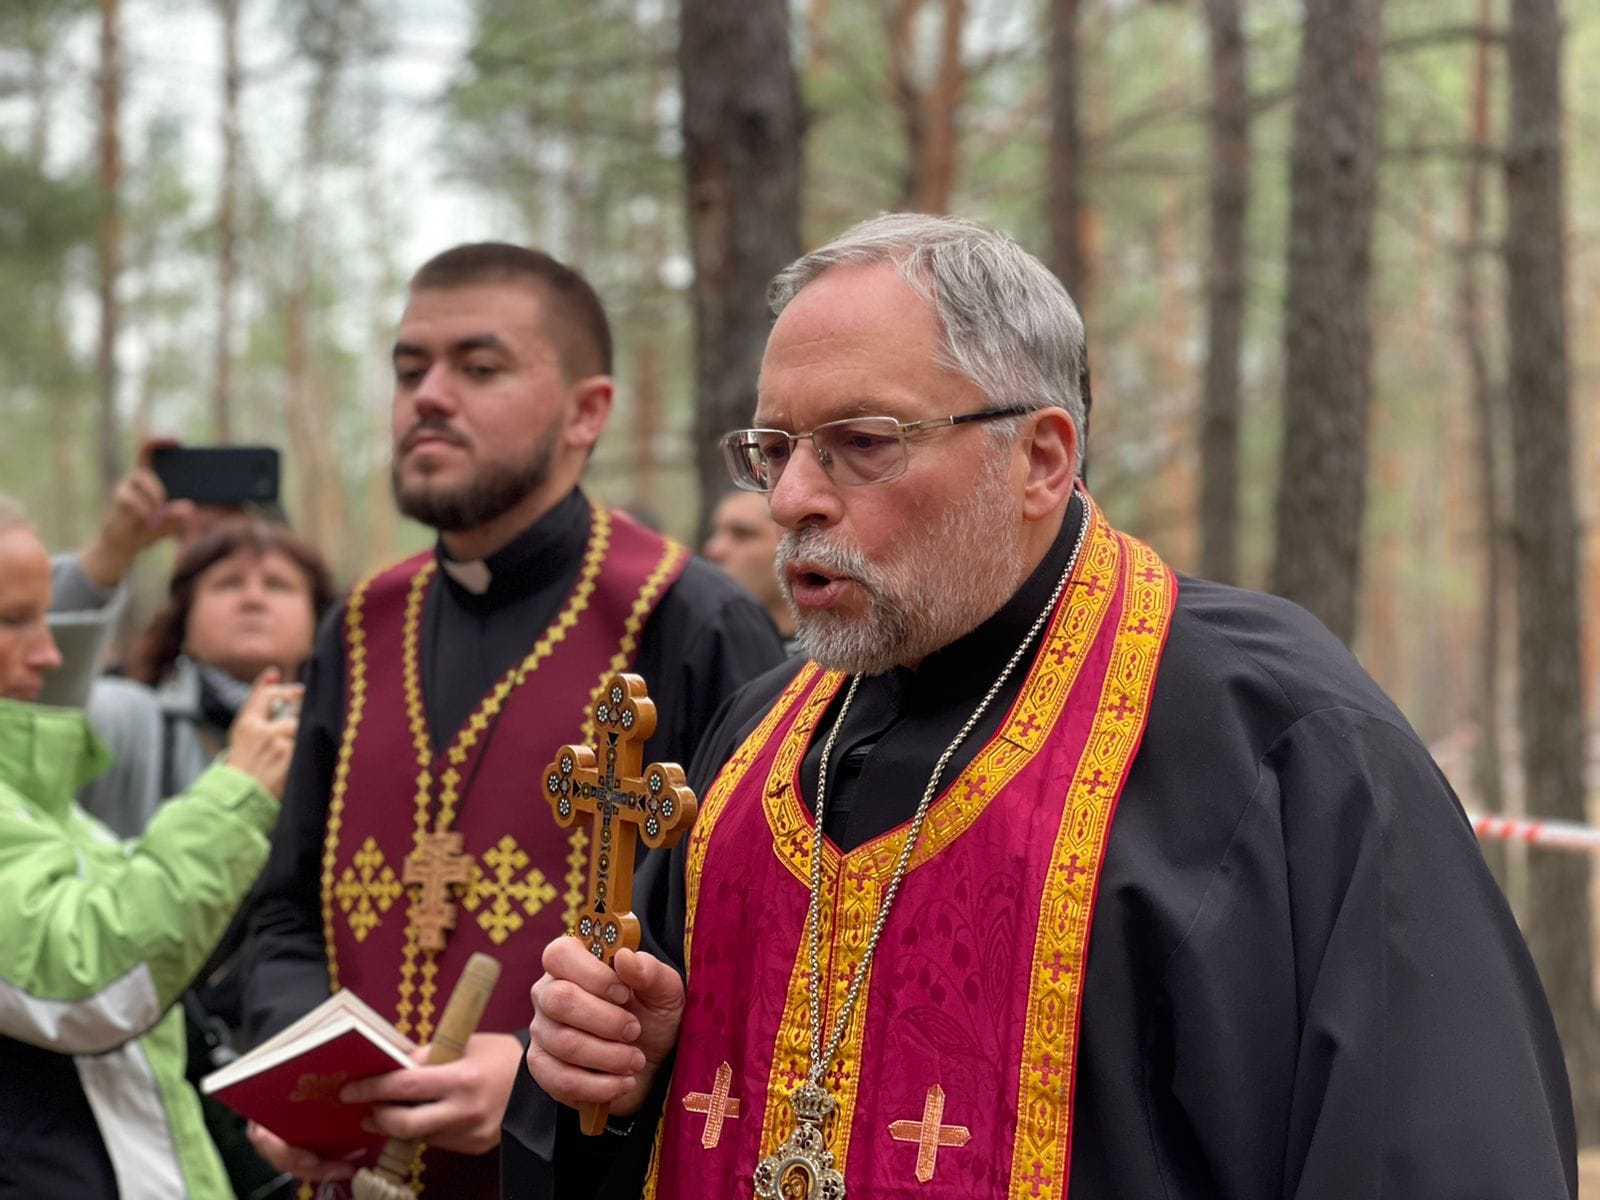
(99, 937)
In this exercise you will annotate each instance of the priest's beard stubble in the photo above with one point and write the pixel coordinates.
(495, 488)
(942, 581)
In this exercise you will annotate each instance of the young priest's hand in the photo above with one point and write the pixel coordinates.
(599, 1032)
(302, 1164)
(453, 1106)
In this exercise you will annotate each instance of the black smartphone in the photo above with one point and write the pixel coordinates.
(218, 474)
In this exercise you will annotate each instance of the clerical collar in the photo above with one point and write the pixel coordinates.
(968, 664)
(541, 552)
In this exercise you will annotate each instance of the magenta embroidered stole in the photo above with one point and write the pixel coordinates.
(955, 1075)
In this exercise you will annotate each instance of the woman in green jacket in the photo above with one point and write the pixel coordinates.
(98, 937)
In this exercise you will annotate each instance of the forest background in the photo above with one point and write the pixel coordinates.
(1348, 244)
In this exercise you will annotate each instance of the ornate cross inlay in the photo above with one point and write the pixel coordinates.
(929, 1134)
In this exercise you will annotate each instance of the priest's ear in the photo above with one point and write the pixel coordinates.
(1050, 444)
(588, 406)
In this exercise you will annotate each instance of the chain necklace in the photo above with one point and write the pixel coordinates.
(805, 1154)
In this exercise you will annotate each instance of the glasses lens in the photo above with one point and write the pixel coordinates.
(862, 450)
(747, 454)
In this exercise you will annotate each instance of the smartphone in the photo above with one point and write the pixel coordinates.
(218, 474)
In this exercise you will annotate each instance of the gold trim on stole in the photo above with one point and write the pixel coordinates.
(341, 773)
(1040, 1152)
(712, 807)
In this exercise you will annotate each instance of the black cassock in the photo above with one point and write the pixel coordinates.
(1302, 980)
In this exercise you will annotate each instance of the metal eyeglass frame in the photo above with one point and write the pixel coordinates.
(736, 445)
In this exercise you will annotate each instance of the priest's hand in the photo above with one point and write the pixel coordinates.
(599, 1032)
(456, 1106)
(302, 1164)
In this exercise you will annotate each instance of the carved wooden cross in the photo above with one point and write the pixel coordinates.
(625, 802)
(436, 863)
(929, 1134)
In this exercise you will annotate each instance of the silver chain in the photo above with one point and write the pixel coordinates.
(820, 1060)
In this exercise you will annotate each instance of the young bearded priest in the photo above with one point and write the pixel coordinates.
(440, 690)
(1043, 867)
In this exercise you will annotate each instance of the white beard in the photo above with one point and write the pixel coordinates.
(941, 583)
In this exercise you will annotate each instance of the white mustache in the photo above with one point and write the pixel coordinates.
(812, 547)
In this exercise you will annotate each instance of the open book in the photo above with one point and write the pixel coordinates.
(290, 1083)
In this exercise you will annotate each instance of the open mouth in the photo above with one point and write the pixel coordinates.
(812, 587)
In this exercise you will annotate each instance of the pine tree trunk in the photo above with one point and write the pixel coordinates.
(109, 441)
(741, 130)
(1488, 768)
(1327, 315)
(1544, 529)
(1230, 194)
(1067, 255)
(941, 108)
(227, 226)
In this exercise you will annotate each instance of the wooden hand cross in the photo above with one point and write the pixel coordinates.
(625, 803)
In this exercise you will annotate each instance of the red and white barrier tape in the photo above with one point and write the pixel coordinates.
(1557, 835)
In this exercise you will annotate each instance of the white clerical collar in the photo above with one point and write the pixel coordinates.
(472, 574)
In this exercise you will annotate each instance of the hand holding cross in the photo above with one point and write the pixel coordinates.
(625, 802)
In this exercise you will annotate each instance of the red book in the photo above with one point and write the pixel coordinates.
(290, 1083)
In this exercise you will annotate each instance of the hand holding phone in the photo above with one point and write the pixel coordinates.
(218, 474)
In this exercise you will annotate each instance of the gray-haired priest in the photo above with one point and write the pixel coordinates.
(1043, 868)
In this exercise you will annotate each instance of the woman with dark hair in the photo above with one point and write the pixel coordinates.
(244, 596)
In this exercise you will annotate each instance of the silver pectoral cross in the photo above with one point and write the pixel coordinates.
(802, 1168)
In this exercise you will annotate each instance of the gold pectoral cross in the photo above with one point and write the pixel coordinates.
(625, 802)
(436, 863)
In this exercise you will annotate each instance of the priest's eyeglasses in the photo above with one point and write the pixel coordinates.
(857, 450)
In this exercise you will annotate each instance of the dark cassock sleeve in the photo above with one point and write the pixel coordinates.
(543, 1154)
(287, 972)
(1303, 982)
(1356, 991)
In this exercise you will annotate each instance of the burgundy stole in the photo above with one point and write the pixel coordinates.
(522, 877)
(955, 1074)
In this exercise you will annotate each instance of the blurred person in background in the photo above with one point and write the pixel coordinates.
(744, 543)
(87, 593)
(244, 596)
(99, 937)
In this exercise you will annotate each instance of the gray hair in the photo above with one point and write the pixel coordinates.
(12, 515)
(1007, 323)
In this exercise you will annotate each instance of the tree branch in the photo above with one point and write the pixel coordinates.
(1444, 35)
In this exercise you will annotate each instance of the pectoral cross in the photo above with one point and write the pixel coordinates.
(625, 803)
(436, 863)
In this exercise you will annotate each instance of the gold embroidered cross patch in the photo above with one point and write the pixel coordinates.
(498, 896)
(367, 889)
